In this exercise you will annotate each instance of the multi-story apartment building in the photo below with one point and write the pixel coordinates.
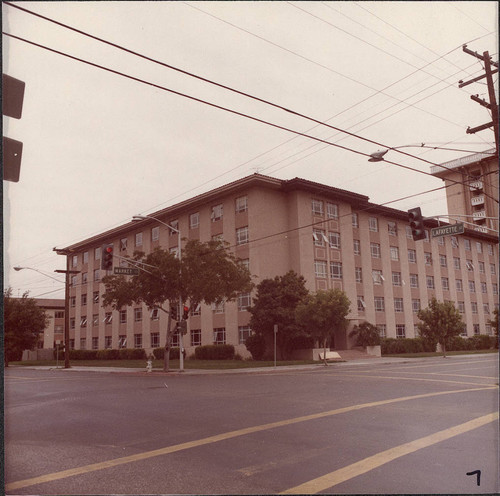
(472, 189)
(334, 238)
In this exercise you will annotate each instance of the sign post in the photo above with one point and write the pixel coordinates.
(458, 228)
(275, 332)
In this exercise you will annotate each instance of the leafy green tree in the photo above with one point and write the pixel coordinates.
(323, 313)
(207, 273)
(274, 304)
(366, 334)
(440, 323)
(494, 321)
(23, 322)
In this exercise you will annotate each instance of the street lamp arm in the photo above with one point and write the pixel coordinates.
(146, 217)
(39, 271)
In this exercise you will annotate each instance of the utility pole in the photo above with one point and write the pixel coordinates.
(492, 104)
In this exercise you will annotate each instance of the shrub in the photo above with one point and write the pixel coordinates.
(482, 342)
(132, 354)
(108, 354)
(256, 345)
(392, 346)
(214, 352)
(366, 335)
(83, 355)
(159, 353)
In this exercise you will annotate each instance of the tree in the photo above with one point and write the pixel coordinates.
(323, 313)
(23, 322)
(274, 304)
(440, 323)
(207, 273)
(494, 321)
(366, 334)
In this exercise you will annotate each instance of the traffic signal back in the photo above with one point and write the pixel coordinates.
(416, 223)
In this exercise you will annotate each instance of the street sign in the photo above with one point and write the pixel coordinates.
(447, 230)
(125, 271)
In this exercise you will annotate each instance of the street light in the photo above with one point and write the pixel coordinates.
(378, 156)
(136, 218)
(36, 270)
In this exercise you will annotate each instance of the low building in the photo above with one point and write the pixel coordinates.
(333, 237)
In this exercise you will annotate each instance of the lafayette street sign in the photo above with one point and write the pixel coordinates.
(447, 230)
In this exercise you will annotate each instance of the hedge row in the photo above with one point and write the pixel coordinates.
(123, 354)
(159, 353)
(392, 346)
(214, 352)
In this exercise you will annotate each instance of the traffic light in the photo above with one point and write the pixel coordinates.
(416, 223)
(173, 312)
(107, 257)
(185, 315)
(182, 327)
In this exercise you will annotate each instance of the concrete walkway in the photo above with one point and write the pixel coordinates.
(253, 370)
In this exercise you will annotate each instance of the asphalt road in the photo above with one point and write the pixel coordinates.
(426, 426)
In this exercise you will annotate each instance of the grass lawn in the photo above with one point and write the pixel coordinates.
(435, 354)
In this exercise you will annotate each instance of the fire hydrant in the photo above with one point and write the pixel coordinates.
(149, 365)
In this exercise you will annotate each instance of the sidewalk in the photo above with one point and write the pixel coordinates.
(253, 370)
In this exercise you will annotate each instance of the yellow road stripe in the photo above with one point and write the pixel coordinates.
(363, 466)
(214, 439)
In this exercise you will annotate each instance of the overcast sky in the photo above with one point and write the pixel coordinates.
(100, 147)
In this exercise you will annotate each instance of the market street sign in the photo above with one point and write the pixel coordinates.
(125, 271)
(447, 230)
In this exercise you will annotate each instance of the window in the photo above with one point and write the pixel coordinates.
(218, 307)
(428, 258)
(484, 288)
(317, 207)
(495, 288)
(332, 211)
(319, 237)
(123, 244)
(461, 306)
(375, 250)
(95, 343)
(241, 204)
(72, 323)
(469, 265)
(194, 220)
(59, 315)
(244, 332)
(456, 263)
(382, 330)
(488, 329)
(357, 247)
(409, 235)
(486, 308)
(392, 229)
(475, 328)
(83, 322)
(195, 337)
(155, 340)
(400, 331)
(73, 280)
(83, 344)
(359, 274)
(196, 310)
(155, 233)
(175, 339)
(472, 286)
(441, 241)
(459, 285)
(97, 253)
(108, 318)
(412, 256)
(379, 304)
(355, 220)
(377, 276)
(123, 316)
(244, 302)
(413, 280)
(454, 242)
(95, 296)
(218, 237)
(373, 224)
(155, 314)
(445, 283)
(361, 304)
(138, 239)
(490, 249)
(74, 260)
(415, 305)
(479, 247)
(137, 340)
(72, 301)
(95, 320)
(442, 260)
(174, 228)
(467, 244)
(481, 267)
(85, 257)
(217, 212)
(394, 253)
(334, 240)
(137, 314)
(396, 278)
(84, 277)
(320, 268)
(220, 335)
(84, 299)
(473, 305)
(122, 341)
(336, 270)
(430, 282)
(242, 235)
(493, 269)
(398, 305)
